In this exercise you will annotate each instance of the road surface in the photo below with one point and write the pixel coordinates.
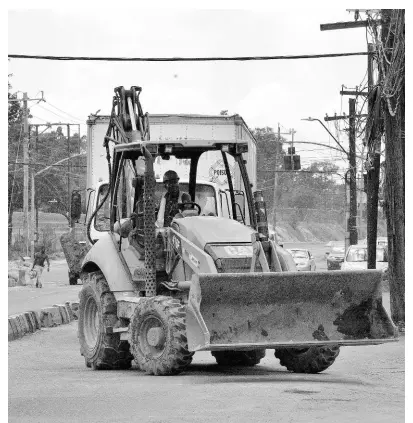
(48, 382)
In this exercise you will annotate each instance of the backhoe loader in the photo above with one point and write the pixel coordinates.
(157, 294)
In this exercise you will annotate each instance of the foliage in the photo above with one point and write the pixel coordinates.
(50, 148)
(314, 187)
(14, 152)
(45, 149)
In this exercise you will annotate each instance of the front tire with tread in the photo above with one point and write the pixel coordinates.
(307, 360)
(238, 358)
(98, 311)
(170, 355)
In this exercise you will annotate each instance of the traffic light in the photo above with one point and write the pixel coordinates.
(288, 160)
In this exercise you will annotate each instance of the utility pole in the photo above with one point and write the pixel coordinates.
(33, 216)
(68, 177)
(292, 147)
(26, 159)
(353, 172)
(351, 230)
(33, 233)
(274, 198)
(373, 173)
(25, 174)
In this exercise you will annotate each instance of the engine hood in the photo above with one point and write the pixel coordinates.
(202, 230)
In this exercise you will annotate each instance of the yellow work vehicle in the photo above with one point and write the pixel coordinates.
(156, 293)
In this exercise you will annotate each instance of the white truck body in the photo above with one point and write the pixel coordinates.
(216, 129)
(174, 127)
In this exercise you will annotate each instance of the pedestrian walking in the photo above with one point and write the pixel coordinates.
(38, 265)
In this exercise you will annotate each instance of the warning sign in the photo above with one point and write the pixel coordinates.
(218, 174)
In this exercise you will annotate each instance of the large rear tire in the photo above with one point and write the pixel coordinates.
(307, 360)
(238, 358)
(73, 278)
(158, 336)
(98, 311)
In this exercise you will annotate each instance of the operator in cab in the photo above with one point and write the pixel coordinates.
(168, 207)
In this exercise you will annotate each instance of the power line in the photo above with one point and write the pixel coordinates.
(56, 114)
(187, 59)
(60, 110)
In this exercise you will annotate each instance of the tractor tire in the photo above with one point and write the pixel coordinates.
(98, 311)
(307, 360)
(238, 358)
(158, 337)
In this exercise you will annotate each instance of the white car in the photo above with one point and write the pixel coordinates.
(303, 259)
(356, 258)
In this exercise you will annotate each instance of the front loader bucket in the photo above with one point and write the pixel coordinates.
(241, 311)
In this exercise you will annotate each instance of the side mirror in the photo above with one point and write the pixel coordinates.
(75, 205)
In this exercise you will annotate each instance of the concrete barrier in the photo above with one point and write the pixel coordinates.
(75, 309)
(31, 321)
(20, 324)
(14, 332)
(69, 310)
(64, 314)
(50, 316)
(12, 281)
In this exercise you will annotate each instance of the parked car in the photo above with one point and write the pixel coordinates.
(303, 259)
(335, 256)
(356, 258)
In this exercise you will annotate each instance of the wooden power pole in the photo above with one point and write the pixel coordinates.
(352, 224)
(373, 173)
(25, 174)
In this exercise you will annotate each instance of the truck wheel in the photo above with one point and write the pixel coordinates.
(307, 360)
(98, 311)
(73, 280)
(158, 336)
(238, 358)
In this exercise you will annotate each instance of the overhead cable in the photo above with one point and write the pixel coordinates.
(187, 59)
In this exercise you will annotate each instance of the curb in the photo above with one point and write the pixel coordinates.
(31, 321)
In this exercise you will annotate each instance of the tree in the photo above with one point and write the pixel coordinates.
(15, 153)
(269, 158)
(392, 74)
(52, 185)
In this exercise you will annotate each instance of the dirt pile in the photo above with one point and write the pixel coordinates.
(309, 232)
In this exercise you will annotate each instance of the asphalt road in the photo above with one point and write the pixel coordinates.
(56, 290)
(48, 382)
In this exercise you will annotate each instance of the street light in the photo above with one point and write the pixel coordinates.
(310, 119)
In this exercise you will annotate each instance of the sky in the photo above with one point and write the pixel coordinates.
(264, 93)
